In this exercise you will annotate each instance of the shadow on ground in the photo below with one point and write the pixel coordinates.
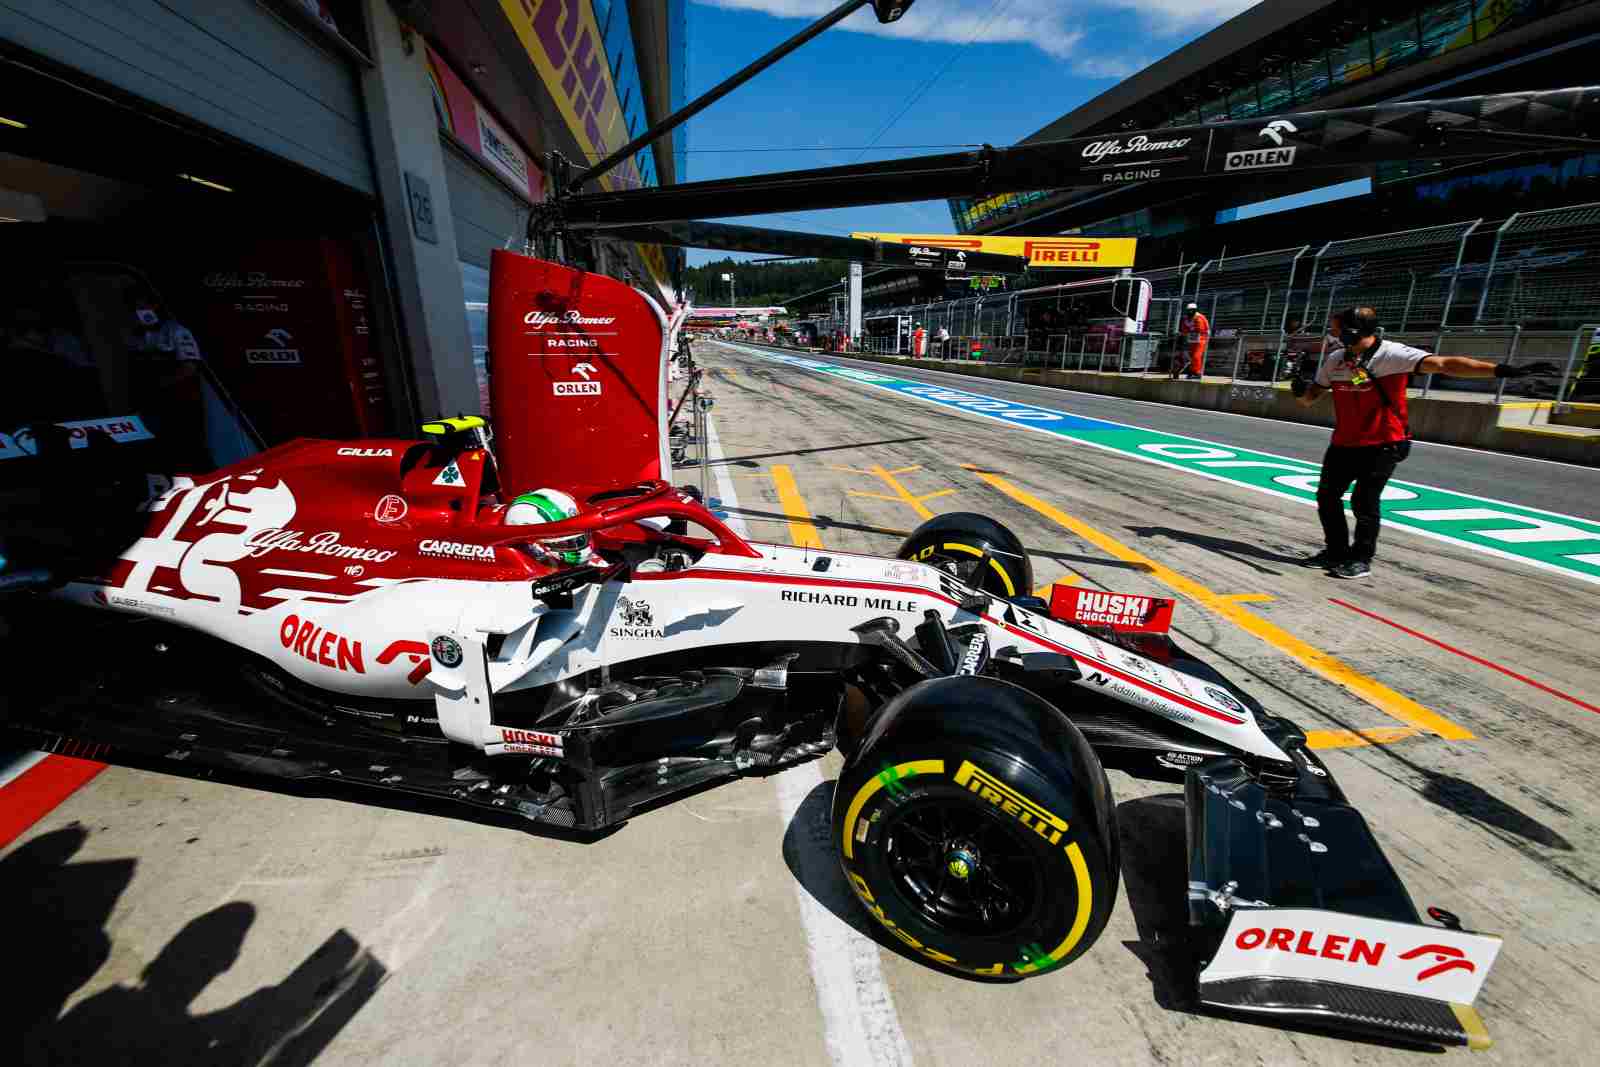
(53, 913)
(1238, 551)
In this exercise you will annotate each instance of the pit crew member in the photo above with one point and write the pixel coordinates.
(1367, 375)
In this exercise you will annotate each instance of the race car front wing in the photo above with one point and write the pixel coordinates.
(1309, 921)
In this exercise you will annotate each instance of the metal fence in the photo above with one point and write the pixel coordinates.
(1249, 292)
(1521, 289)
(1409, 277)
(1542, 268)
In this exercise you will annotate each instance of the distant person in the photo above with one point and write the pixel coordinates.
(168, 381)
(1196, 332)
(919, 341)
(943, 338)
(1371, 433)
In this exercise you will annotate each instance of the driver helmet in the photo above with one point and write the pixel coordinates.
(551, 505)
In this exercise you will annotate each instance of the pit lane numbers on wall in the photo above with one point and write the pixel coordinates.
(1563, 543)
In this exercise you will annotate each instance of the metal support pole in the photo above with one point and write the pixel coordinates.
(1405, 316)
(1450, 298)
(1311, 286)
(1494, 257)
(1588, 329)
(1500, 384)
(1427, 381)
(711, 96)
(1199, 279)
(1283, 320)
(1450, 293)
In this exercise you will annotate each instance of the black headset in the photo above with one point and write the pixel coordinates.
(1354, 324)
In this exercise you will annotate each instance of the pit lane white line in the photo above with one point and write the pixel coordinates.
(860, 1025)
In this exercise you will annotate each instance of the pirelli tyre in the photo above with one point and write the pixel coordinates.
(975, 825)
(975, 549)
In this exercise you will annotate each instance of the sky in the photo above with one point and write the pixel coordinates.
(950, 73)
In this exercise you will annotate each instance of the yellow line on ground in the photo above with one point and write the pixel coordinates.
(1369, 689)
(801, 531)
(1248, 598)
(903, 494)
(1377, 735)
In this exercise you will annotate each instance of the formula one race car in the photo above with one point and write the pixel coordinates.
(536, 629)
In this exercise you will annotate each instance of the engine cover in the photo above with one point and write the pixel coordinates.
(577, 378)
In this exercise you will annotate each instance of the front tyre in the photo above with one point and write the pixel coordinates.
(967, 853)
(976, 550)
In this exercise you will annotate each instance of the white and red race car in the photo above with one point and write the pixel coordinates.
(363, 612)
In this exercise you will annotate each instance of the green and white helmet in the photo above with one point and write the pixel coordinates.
(551, 505)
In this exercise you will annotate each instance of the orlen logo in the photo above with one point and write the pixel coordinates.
(569, 318)
(1446, 958)
(1331, 947)
(370, 453)
(279, 354)
(1062, 251)
(322, 647)
(416, 652)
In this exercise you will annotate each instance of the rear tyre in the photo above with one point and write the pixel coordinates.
(988, 855)
(958, 544)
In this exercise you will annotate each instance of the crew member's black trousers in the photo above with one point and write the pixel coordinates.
(1370, 468)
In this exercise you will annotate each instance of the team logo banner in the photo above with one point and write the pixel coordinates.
(1123, 613)
(1084, 253)
(1327, 946)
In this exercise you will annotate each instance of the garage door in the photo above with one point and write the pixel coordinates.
(229, 64)
(486, 213)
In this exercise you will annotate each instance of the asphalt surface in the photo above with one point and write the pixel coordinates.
(210, 924)
(1569, 488)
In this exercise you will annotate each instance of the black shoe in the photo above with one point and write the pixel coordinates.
(1325, 559)
(1352, 568)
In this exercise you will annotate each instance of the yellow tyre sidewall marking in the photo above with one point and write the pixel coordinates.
(1011, 589)
(1080, 870)
(871, 787)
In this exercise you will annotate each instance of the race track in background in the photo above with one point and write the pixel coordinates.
(1564, 543)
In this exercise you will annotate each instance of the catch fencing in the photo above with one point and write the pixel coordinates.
(1521, 289)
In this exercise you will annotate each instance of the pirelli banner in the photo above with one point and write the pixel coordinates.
(1082, 253)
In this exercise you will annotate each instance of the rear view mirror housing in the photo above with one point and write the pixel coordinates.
(890, 10)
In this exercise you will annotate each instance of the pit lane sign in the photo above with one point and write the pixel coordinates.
(1069, 251)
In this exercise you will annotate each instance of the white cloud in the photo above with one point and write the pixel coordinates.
(1052, 26)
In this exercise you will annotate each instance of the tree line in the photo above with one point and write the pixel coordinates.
(762, 284)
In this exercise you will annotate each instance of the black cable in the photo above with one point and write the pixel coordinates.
(994, 12)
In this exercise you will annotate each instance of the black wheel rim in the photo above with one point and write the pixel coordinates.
(928, 842)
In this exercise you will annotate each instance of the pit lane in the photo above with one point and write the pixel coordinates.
(719, 930)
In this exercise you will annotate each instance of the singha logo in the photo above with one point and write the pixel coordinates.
(635, 613)
(638, 621)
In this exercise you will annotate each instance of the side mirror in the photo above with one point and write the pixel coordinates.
(890, 10)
